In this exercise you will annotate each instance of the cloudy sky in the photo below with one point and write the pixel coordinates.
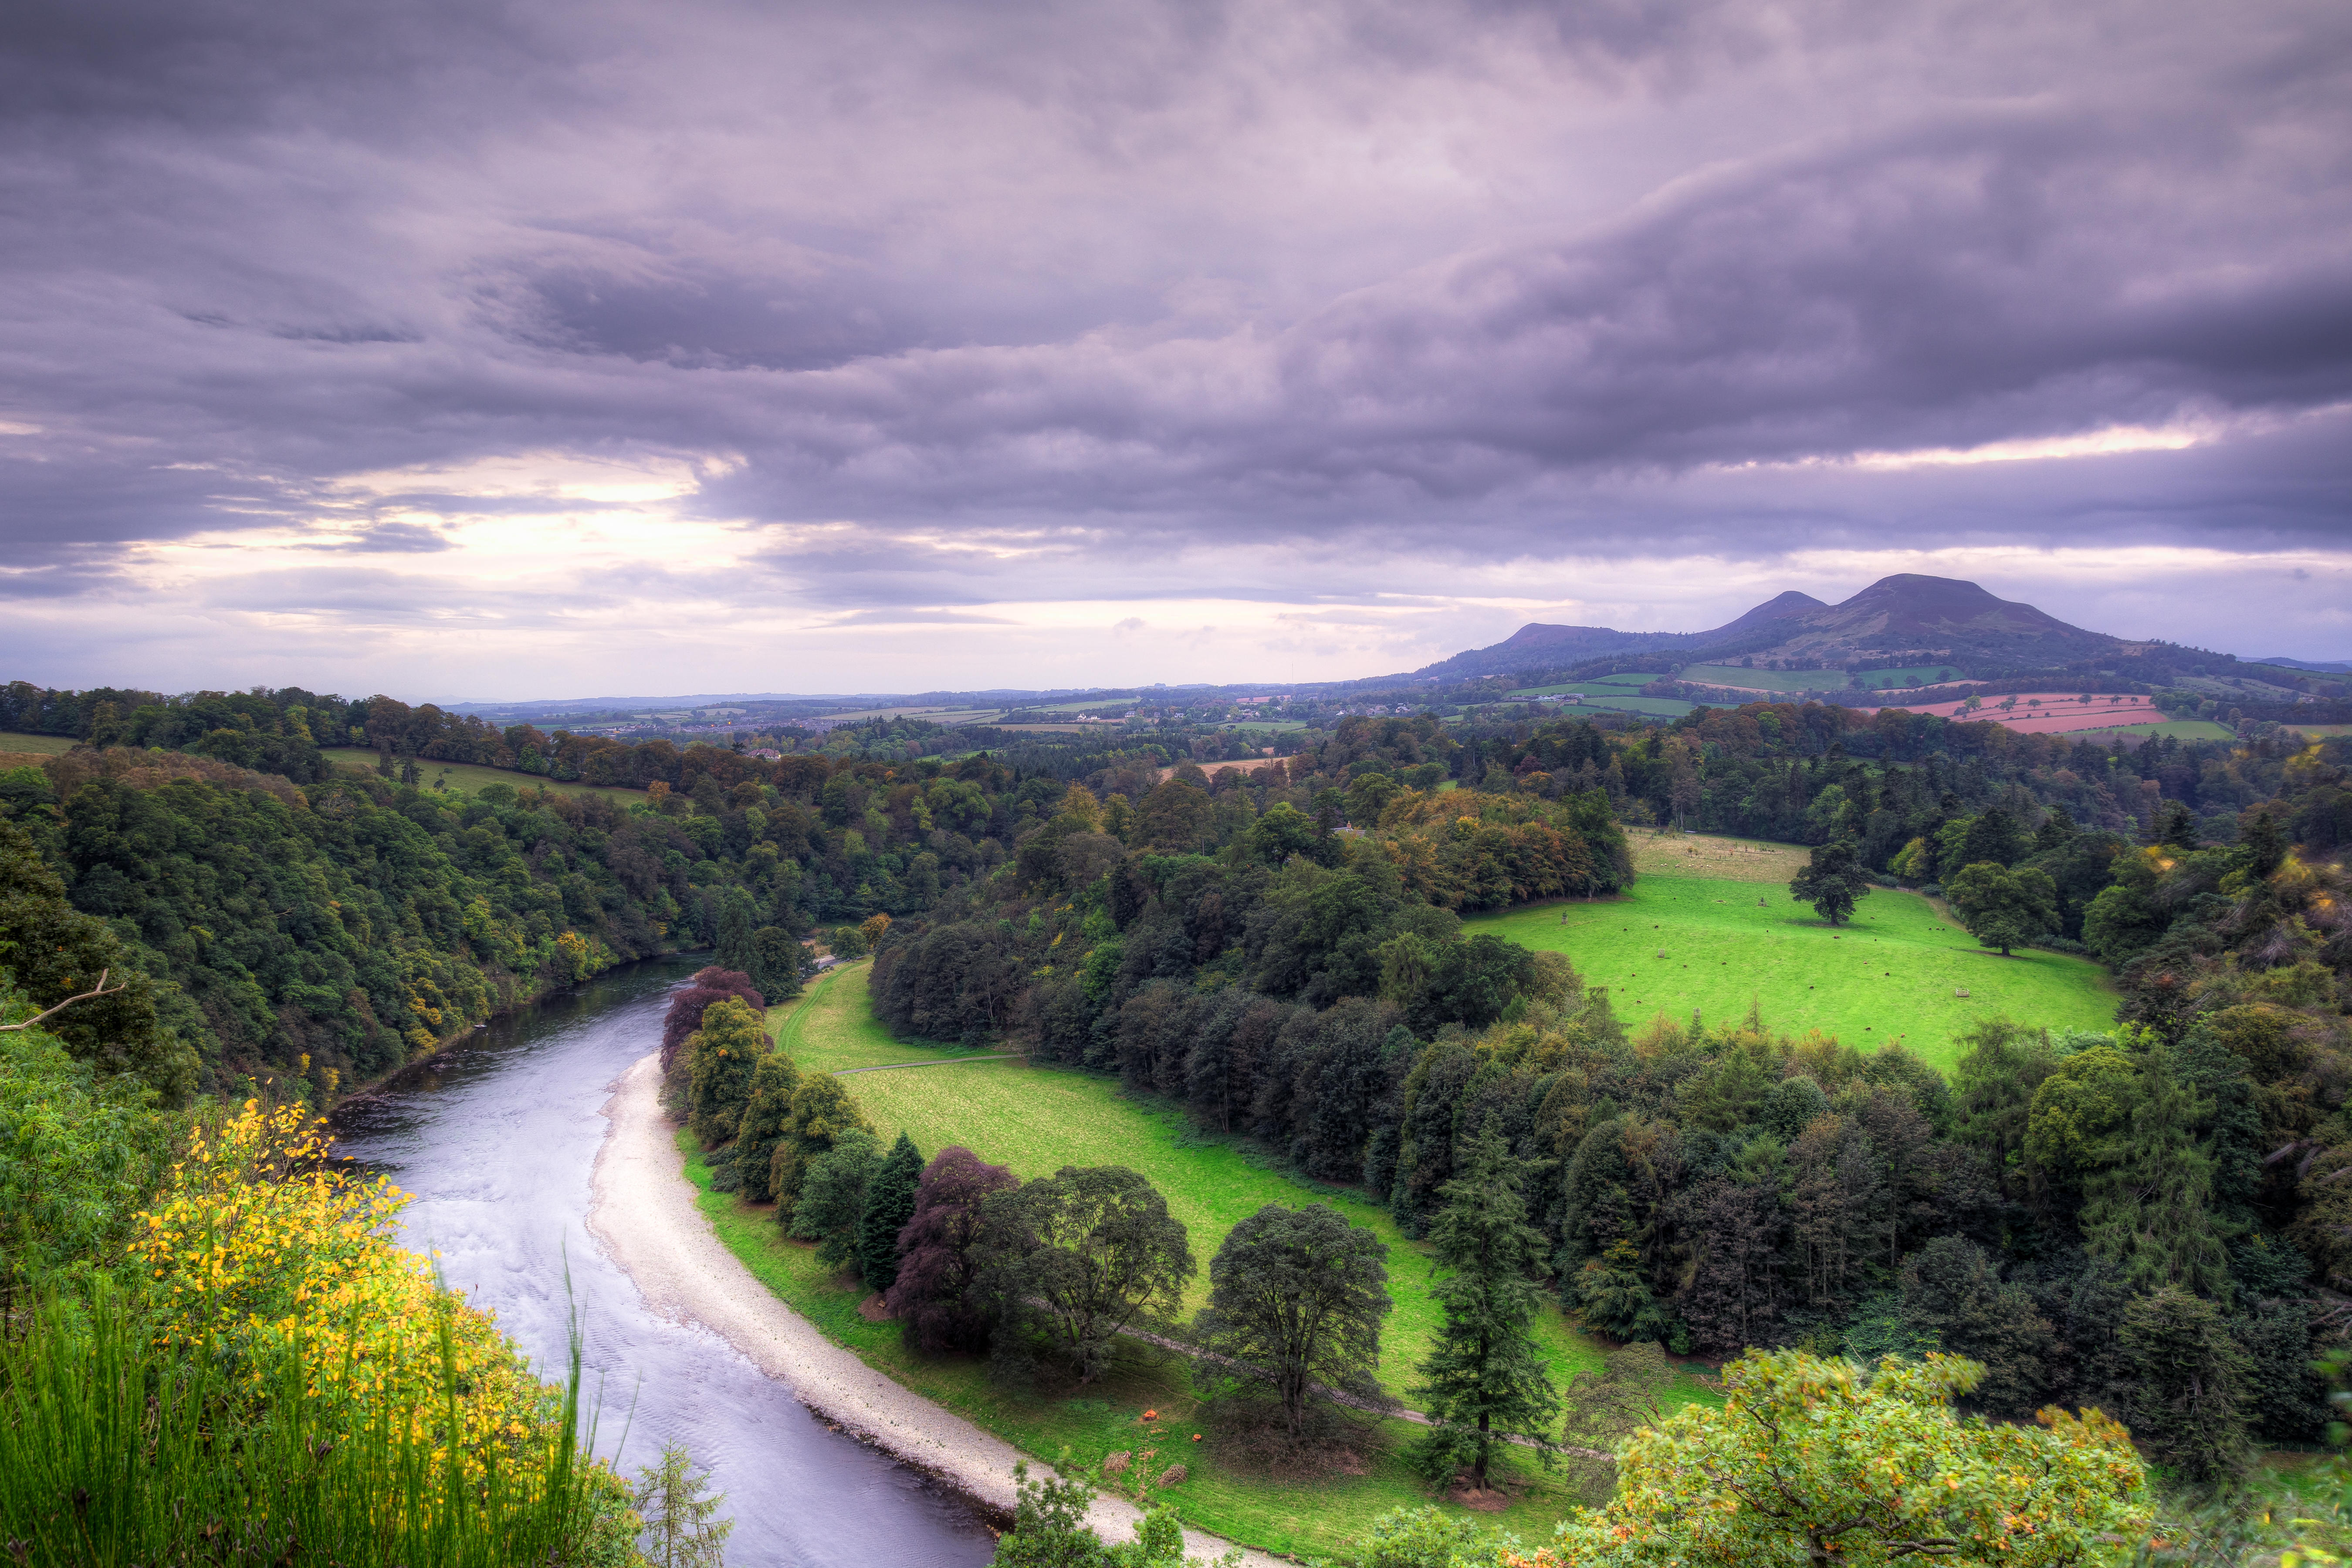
(473, 348)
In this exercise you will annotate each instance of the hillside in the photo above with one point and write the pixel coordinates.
(1895, 620)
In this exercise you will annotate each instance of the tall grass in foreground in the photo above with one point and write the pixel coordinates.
(114, 1451)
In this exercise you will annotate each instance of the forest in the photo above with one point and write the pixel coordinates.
(1277, 949)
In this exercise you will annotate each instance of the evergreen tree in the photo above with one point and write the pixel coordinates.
(2188, 1377)
(889, 1205)
(676, 1503)
(775, 963)
(738, 920)
(1484, 1380)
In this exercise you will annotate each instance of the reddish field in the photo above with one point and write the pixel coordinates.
(2056, 715)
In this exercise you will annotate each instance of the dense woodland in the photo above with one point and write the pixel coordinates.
(1278, 950)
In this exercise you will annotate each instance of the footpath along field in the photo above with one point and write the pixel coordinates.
(1719, 911)
(1035, 1120)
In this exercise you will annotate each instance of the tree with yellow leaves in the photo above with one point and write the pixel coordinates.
(1814, 1462)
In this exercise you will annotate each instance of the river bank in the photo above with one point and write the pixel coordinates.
(643, 1212)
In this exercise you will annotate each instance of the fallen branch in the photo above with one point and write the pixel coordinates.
(103, 991)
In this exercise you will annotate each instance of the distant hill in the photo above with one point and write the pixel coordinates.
(1898, 618)
(2317, 667)
(1895, 620)
(1539, 645)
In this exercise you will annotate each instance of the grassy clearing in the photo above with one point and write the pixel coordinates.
(1224, 1492)
(36, 745)
(2323, 731)
(1910, 675)
(1765, 680)
(467, 775)
(1037, 1119)
(1890, 974)
(2185, 728)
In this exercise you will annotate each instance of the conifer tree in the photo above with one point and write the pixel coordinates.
(889, 1205)
(1484, 1381)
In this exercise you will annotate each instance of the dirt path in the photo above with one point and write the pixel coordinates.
(643, 1214)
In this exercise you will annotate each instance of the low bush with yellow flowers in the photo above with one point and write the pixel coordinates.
(260, 1244)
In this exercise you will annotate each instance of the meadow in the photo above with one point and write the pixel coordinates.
(1764, 680)
(1037, 1119)
(1716, 944)
(2185, 728)
(469, 776)
(1911, 675)
(12, 744)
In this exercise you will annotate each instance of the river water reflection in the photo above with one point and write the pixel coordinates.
(496, 1138)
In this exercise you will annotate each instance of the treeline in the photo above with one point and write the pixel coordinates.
(1306, 985)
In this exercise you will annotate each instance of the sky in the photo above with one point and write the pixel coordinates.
(474, 350)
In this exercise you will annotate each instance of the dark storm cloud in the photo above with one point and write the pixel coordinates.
(1102, 283)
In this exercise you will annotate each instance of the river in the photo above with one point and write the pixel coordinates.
(496, 1138)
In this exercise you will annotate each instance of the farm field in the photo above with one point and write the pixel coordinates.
(2185, 728)
(1890, 974)
(37, 745)
(467, 775)
(1037, 1119)
(1656, 708)
(1913, 675)
(1636, 678)
(2315, 731)
(1764, 680)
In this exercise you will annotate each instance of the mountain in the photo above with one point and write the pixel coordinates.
(1539, 645)
(1897, 618)
(1893, 621)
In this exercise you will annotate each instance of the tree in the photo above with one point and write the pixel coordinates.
(726, 1051)
(776, 963)
(1812, 1462)
(56, 952)
(832, 1197)
(711, 984)
(1607, 1406)
(938, 1252)
(2188, 1383)
(2003, 908)
(676, 1503)
(1049, 1530)
(765, 1113)
(1085, 1251)
(736, 920)
(889, 1205)
(1833, 882)
(1954, 1299)
(1484, 1381)
(822, 1111)
(1296, 1298)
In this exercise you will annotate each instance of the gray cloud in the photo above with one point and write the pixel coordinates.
(1110, 290)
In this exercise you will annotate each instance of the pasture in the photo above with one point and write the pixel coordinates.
(17, 744)
(433, 775)
(1764, 680)
(2185, 728)
(1732, 939)
(1910, 675)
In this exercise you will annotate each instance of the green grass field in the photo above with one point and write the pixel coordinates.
(1656, 708)
(467, 776)
(2314, 731)
(1890, 974)
(1635, 678)
(1037, 1119)
(1764, 680)
(2185, 728)
(37, 745)
(1912, 675)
